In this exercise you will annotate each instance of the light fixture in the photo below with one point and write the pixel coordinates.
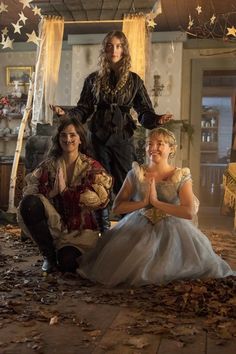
(160, 88)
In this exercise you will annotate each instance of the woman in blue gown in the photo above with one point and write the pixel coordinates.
(157, 241)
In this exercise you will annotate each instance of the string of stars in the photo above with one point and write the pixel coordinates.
(212, 28)
(6, 41)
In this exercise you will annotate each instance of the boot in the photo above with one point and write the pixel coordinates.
(67, 258)
(102, 218)
(33, 214)
(42, 236)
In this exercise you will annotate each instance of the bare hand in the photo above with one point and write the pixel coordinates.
(61, 180)
(165, 118)
(57, 109)
(59, 184)
(146, 197)
(153, 192)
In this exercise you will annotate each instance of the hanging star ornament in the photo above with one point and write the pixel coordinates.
(22, 17)
(17, 27)
(213, 19)
(190, 23)
(156, 11)
(231, 31)
(26, 3)
(151, 23)
(3, 39)
(4, 31)
(37, 11)
(157, 8)
(3, 7)
(32, 37)
(8, 43)
(199, 9)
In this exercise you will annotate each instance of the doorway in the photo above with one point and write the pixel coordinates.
(212, 96)
(211, 201)
(216, 133)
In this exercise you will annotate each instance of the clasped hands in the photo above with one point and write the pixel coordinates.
(59, 184)
(150, 196)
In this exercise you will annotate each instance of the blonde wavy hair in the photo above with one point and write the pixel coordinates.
(104, 64)
(168, 136)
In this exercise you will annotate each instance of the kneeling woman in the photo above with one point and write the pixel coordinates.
(157, 241)
(60, 196)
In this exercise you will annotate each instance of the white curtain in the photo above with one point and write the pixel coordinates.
(134, 27)
(47, 68)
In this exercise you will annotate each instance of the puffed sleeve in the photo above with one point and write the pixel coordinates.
(184, 175)
(32, 182)
(94, 191)
(38, 181)
(97, 196)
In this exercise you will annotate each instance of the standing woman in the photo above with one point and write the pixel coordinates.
(105, 103)
(59, 199)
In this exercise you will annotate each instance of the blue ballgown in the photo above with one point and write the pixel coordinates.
(150, 247)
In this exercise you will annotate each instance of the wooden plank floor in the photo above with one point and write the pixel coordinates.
(84, 324)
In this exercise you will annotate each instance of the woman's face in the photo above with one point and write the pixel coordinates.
(158, 148)
(114, 50)
(69, 139)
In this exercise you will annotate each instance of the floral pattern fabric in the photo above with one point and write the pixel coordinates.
(70, 214)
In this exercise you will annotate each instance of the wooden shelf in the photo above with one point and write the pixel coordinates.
(209, 128)
(209, 131)
(209, 145)
(5, 174)
(10, 116)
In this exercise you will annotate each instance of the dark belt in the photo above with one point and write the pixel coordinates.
(117, 117)
(113, 107)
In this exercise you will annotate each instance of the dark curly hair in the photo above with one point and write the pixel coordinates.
(56, 150)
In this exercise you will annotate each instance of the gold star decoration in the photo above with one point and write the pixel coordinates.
(32, 37)
(4, 31)
(199, 9)
(17, 27)
(37, 11)
(8, 43)
(190, 23)
(26, 3)
(22, 17)
(212, 19)
(3, 7)
(151, 23)
(231, 31)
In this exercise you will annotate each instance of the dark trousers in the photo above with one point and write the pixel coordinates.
(33, 213)
(116, 156)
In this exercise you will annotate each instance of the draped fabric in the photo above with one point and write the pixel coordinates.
(229, 183)
(134, 27)
(47, 68)
(233, 146)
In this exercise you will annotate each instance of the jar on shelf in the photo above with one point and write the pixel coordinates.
(213, 122)
(16, 91)
(208, 138)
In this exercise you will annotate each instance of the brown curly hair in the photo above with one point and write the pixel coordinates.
(104, 64)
